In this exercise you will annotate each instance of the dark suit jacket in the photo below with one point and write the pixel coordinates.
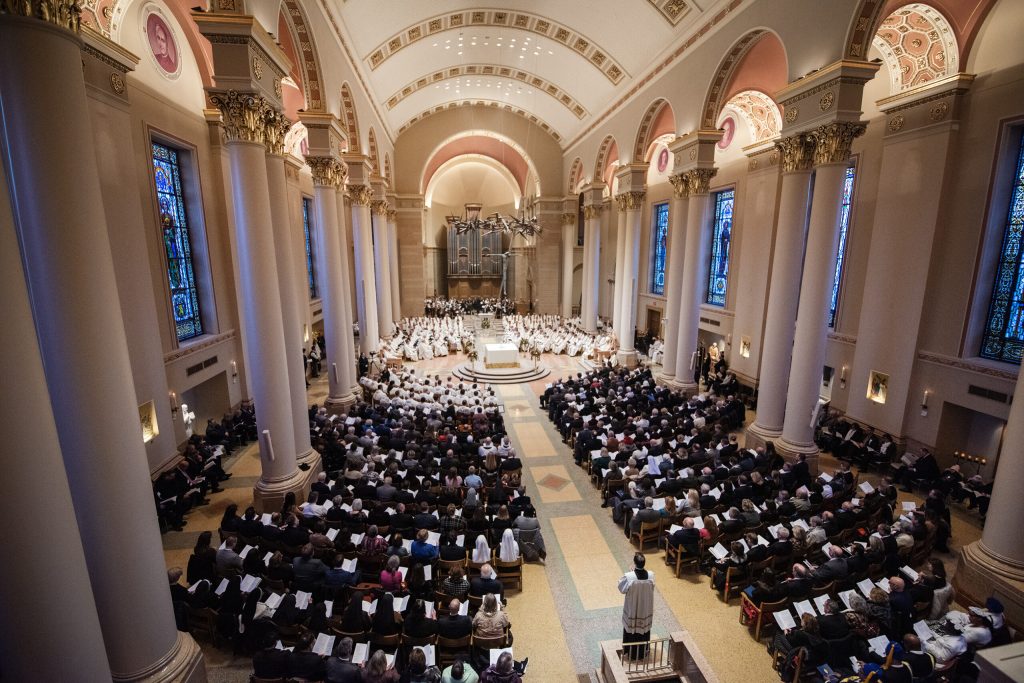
(833, 569)
(307, 665)
(645, 515)
(270, 663)
(480, 587)
(458, 626)
(688, 538)
(340, 671)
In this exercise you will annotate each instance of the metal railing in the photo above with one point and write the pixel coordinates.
(642, 660)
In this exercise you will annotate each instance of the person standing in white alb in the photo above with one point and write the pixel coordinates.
(188, 417)
(638, 608)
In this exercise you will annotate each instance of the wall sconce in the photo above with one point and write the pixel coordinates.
(977, 460)
(842, 377)
(174, 405)
(924, 403)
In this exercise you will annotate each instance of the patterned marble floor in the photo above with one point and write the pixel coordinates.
(570, 604)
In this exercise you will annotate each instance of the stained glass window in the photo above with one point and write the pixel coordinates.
(310, 268)
(844, 225)
(718, 268)
(659, 243)
(1003, 338)
(177, 243)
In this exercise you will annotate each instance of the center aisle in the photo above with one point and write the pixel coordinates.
(588, 553)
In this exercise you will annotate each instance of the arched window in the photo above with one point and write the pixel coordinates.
(314, 291)
(718, 267)
(181, 276)
(659, 248)
(1003, 338)
(844, 225)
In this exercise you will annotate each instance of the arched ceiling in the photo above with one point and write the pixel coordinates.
(560, 64)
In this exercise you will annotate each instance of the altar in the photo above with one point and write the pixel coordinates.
(501, 356)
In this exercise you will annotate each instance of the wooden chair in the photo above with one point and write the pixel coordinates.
(449, 648)
(730, 587)
(677, 556)
(379, 642)
(817, 591)
(203, 621)
(759, 619)
(510, 572)
(648, 531)
(357, 637)
(445, 567)
(253, 678)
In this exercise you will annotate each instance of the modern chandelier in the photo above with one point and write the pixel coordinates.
(525, 223)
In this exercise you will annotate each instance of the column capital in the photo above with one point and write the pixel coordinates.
(630, 201)
(699, 180)
(392, 214)
(832, 141)
(591, 212)
(275, 127)
(680, 185)
(379, 207)
(797, 152)
(359, 195)
(568, 218)
(64, 14)
(327, 171)
(243, 115)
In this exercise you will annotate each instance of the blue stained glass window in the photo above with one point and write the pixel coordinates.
(310, 268)
(844, 225)
(177, 243)
(659, 245)
(1003, 338)
(718, 268)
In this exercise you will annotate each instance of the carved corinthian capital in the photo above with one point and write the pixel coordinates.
(63, 13)
(244, 115)
(327, 171)
(833, 140)
(797, 152)
(392, 215)
(360, 195)
(700, 180)
(568, 218)
(591, 212)
(275, 127)
(379, 207)
(680, 185)
(630, 201)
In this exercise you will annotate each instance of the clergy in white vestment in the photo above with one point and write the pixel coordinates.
(638, 608)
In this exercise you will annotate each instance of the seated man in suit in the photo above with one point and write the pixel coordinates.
(921, 663)
(339, 668)
(782, 547)
(688, 537)
(308, 570)
(454, 625)
(303, 663)
(486, 583)
(227, 558)
(646, 513)
(834, 568)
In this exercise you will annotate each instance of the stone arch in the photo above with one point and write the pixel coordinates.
(657, 121)
(758, 111)
(312, 75)
(349, 118)
(373, 153)
(918, 45)
(388, 172)
(502, 150)
(575, 175)
(724, 75)
(606, 154)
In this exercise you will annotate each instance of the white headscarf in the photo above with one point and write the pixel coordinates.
(509, 551)
(482, 552)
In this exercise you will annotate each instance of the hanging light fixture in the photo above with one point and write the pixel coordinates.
(525, 223)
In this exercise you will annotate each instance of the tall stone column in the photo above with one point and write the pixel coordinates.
(594, 196)
(382, 266)
(606, 275)
(275, 128)
(674, 266)
(831, 154)
(695, 274)
(783, 295)
(347, 375)
(620, 257)
(56, 581)
(632, 205)
(260, 295)
(328, 175)
(69, 271)
(396, 294)
(568, 250)
(366, 287)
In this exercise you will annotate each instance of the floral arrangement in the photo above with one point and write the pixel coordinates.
(472, 355)
(535, 352)
(485, 324)
(524, 344)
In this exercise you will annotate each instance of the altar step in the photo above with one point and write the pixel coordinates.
(466, 372)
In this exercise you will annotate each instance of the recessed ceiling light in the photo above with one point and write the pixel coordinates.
(550, 52)
(521, 56)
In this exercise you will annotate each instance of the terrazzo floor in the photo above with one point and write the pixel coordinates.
(570, 604)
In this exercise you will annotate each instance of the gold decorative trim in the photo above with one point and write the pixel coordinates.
(117, 83)
(699, 180)
(359, 195)
(591, 212)
(243, 115)
(275, 127)
(546, 127)
(631, 201)
(833, 140)
(61, 13)
(826, 101)
(568, 218)
(327, 171)
(392, 215)
(379, 207)
(896, 123)
(792, 113)
(797, 153)
(672, 10)
(680, 185)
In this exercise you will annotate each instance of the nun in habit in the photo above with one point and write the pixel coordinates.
(638, 608)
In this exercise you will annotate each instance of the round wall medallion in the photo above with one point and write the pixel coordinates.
(728, 128)
(826, 101)
(162, 41)
(938, 112)
(693, 154)
(791, 114)
(117, 83)
(895, 123)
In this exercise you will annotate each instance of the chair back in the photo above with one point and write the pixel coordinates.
(490, 643)
(385, 642)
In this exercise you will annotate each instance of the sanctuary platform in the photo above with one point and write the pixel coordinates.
(522, 371)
